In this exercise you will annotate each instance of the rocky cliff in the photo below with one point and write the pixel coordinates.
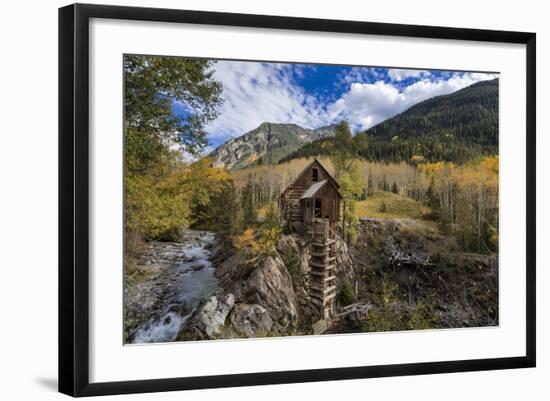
(266, 144)
(262, 295)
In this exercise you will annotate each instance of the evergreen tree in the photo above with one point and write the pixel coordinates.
(223, 212)
(199, 207)
(458, 127)
(394, 188)
(364, 192)
(271, 219)
(271, 229)
(432, 200)
(346, 294)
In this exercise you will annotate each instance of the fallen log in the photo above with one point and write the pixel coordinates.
(357, 308)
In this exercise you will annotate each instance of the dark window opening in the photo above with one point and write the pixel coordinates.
(317, 209)
(315, 175)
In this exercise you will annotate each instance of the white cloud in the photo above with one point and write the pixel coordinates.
(367, 104)
(255, 93)
(189, 158)
(396, 74)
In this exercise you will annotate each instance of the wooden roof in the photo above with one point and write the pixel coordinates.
(312, 190)
(318, 164)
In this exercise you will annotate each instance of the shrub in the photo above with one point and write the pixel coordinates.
(389, 317)
(292, 263)
(382, 319)
(422, 318)
(271, 230)
(345, 293)
(269, 236)
(352, 234)
(246, 241)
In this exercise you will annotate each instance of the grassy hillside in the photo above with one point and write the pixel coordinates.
(389, 205)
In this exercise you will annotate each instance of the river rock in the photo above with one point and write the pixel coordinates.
(210, 317)
(197, 266)
(250, 320)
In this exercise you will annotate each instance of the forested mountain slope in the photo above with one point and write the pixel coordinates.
(456, 127)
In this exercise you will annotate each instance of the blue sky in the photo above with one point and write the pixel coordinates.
(313, 95)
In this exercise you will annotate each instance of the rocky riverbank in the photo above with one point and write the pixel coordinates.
(263, 294)
(172, 278)
(401, 275)
(192, 290)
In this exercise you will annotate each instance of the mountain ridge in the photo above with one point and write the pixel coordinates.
(455, 127)
(268, 143)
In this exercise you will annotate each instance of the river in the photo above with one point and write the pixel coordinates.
(190, 282)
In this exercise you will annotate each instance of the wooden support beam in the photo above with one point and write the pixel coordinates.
(322, 265)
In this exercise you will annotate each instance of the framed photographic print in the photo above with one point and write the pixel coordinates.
(249, 199)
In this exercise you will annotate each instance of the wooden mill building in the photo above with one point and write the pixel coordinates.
(313, 195)
(311, 206)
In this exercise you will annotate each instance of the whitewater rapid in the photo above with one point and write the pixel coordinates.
(191, 282)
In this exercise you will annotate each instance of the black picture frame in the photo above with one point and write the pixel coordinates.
(74, 198)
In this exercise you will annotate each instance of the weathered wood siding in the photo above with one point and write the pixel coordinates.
(293, 207)
(330, 205)
(306, 178)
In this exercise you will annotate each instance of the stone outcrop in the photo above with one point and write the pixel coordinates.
(344, 264)
(266, 294)
(250, 320)
(294, 251)
(295, 254)
(263, 281)
(270, 286)
(269, 141)
(210, 317)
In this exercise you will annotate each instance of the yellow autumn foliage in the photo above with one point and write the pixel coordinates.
(246, 241)
(468, 199)
(157, 202)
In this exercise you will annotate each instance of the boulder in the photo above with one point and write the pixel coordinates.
(210, 316)
(250, 320)
(197, 266)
